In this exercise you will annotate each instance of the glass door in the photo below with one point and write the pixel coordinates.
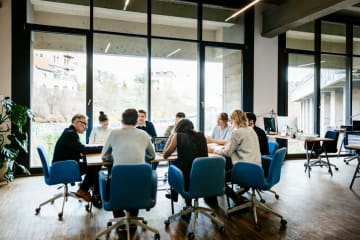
(223, 83)
(58, 87)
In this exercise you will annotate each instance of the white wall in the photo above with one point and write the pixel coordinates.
(5, 48)
(265, 71)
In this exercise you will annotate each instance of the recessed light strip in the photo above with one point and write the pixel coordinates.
(174, 52)
(126, 4)
(243, 9)
(107, 47)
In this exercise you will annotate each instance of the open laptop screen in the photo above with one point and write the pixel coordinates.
(159, 143)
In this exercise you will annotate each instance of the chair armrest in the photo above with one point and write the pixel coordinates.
(66, 171)
(104, 187)
(154, 182)
(247, 174)
(176, 179)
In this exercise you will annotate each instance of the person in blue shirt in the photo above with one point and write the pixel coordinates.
(221, 131)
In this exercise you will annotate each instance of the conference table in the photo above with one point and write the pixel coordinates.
(357, 170)
(94, 159)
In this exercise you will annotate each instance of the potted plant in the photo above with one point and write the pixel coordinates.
(13, 138)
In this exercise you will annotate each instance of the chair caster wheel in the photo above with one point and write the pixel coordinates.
(87, 207)
(52, 202)
(262, 201)
(157, 236)
(277, 196)
(337, 169)
(191, 236)
(347, 163)
(167, 222)
(283, 222)
(60, 215)
(222, 229)
(144, 222)
(37, 211)
(257, 227)
(109, 224)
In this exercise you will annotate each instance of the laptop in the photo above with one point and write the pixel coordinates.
(159, 144)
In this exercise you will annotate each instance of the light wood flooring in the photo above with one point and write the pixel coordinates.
(320, 207)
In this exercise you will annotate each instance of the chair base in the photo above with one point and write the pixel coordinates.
(260, 196)
(197, 210)
(356, 173)
(139, 221)
(320, 163)
(253, 205)
(63, 195)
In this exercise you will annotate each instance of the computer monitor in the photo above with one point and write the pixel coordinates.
(269, 124)
(356, 125)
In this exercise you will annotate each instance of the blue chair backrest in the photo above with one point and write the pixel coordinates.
(273, 146)
(133, 186)
(44, 162)
(207, 177)
(275, 166)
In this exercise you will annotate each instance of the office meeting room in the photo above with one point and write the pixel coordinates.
(179, 119)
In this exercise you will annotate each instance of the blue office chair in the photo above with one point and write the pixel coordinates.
(251, 175)
(62, 172)
(132, 186)
(207, 179)
(265, 162)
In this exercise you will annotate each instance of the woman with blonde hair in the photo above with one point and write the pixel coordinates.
(243, 145)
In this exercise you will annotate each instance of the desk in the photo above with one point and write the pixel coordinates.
(319, 162)
(357, 170)
(94, 159)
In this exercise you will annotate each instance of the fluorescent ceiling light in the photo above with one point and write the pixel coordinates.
(126, 4)
(243, 9)
(309, 64)
(174, 52)
(107, 47)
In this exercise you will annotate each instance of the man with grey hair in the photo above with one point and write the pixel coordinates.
(69, 147)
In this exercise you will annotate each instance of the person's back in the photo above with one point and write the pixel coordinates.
(263, 140)
(128, 145)
(246, 145)
(189, 147)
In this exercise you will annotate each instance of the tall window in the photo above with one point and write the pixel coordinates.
(58, 85)
(119, 76)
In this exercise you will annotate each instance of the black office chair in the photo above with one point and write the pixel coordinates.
(351, 138)
(319, 149)
(346, 128)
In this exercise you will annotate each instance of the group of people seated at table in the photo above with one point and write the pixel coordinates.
(239, 139)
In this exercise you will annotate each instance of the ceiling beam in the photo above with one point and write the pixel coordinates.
(294, 13)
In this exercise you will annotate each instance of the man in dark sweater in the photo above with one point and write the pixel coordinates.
(263, 141)
(147, 126)
(69, 147)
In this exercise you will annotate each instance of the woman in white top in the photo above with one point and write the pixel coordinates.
(221, 131)
(243, 145)
(99, 134)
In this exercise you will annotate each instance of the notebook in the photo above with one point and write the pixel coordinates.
(159, 144)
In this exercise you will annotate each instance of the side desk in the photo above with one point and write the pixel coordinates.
(357, 170)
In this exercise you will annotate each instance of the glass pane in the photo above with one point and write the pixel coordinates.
(174, 19)
(356, 89)
(218, 27)
(300, 99)
(333, 37)
(356, 40)
(332, 89)
(173, 82)
(121, 16)
(301, 37)
(223, 83)
(65, 13)
(58, 87)
(120, 71)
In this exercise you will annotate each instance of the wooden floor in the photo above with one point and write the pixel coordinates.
(322, 207)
